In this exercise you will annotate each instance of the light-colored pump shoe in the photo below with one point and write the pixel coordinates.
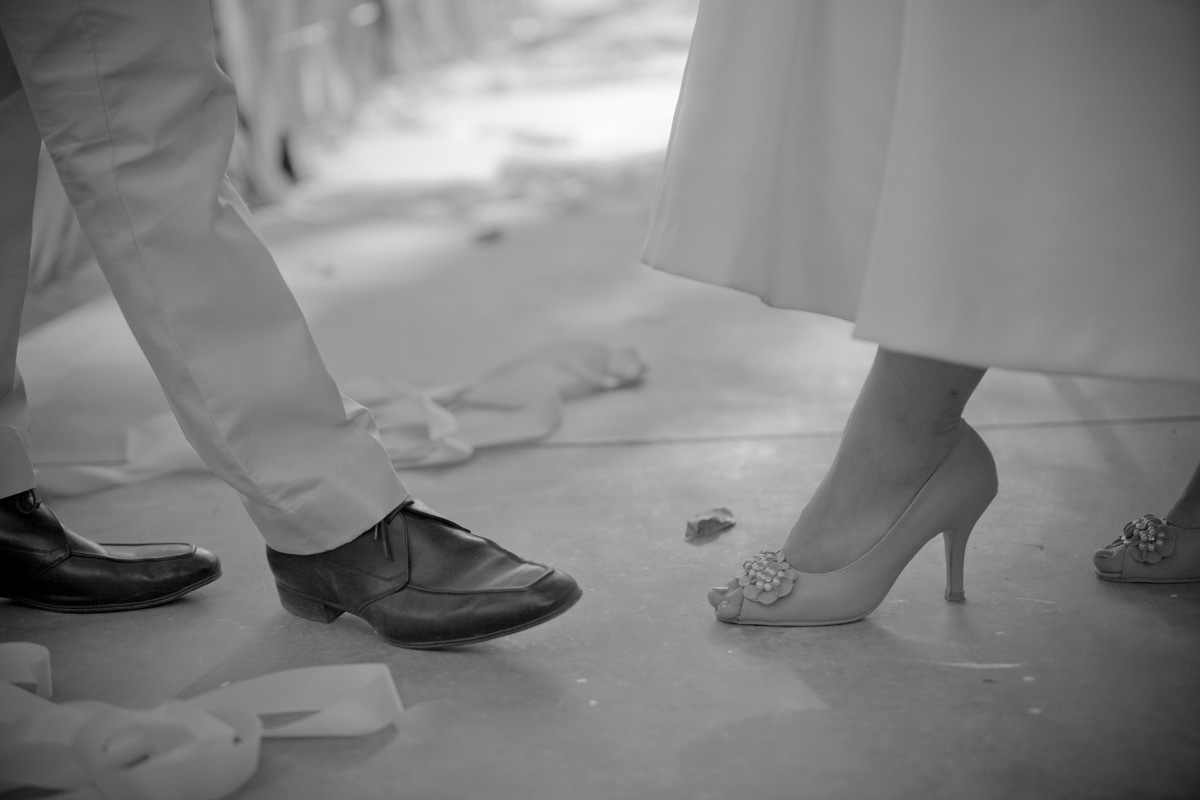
(769, 591)
(1151, 550)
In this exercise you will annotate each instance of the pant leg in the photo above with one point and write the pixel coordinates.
(139, 121)
(18, 179)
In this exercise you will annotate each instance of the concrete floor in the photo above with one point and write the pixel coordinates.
(1045, 683)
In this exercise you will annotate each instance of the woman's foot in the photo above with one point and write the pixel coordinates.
(774, 591)
(1151, 550)
(1154, 550)
(905, 423)
(874, 477)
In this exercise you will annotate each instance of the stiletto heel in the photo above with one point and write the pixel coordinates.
(770, 591)
(306, 607)
(956, 550)
(955, 541)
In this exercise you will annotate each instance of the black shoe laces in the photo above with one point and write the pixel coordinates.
(27, 502)
(379, 531)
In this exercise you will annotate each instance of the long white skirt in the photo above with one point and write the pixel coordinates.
(1008, 183)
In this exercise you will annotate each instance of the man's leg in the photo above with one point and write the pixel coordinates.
(18, 178)
(41, 563)
(140, 121)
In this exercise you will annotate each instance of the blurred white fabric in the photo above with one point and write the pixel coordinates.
(203, 748)
(1009, 184)
(521, 401)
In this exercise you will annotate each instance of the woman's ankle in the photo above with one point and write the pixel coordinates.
(873, 478)
(1186, 511)
(1185, 516)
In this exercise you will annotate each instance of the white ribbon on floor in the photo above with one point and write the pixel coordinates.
(203, 748)
(522, 401)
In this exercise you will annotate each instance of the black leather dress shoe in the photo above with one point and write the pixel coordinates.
(42, 564)
(422, 581)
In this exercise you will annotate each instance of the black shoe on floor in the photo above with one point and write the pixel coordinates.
(422, 581)
(44, 565)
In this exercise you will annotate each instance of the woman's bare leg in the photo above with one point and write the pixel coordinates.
(1186, 511)
(907, 418)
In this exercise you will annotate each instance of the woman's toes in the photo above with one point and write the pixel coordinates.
(1105, 560)
(717, 593)
(729, 609)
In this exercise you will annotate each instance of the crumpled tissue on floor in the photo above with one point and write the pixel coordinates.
(521, 401)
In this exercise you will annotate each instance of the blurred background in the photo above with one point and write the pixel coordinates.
(472, 100)
(448, 185)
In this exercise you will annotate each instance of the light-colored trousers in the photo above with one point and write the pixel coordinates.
(139, 120)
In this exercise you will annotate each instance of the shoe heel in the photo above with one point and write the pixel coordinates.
(306, 607)
(955, 540)
(956, 552)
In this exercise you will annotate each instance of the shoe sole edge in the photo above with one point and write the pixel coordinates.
(443, 643)
(1121, 579)
(158, 601)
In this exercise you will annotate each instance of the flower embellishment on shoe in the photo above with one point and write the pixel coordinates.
(1149, 539)
(766, 577)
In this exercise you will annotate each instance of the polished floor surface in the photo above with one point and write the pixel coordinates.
(1045, 683)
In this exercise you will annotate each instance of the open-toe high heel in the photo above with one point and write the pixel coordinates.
(1151, 550)
(718, 593)
(772, 592)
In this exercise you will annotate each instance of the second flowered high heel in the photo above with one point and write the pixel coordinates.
(770, 591)
(1151, 550)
